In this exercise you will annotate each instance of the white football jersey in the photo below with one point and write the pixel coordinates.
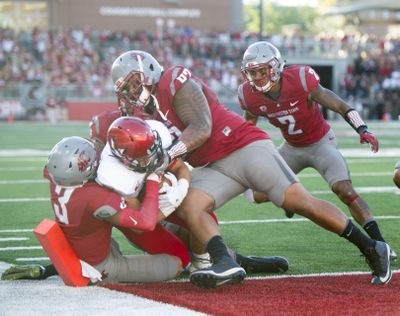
(113, 174)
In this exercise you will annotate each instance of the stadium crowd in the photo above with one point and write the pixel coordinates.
(78, 61)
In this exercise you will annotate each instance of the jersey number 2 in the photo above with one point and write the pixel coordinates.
(290, 122)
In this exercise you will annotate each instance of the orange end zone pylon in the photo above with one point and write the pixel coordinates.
(60, 253)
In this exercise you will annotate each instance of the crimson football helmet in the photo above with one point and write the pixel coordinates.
(72, 161)
(135, 144)
(135, 75)
(262, 65)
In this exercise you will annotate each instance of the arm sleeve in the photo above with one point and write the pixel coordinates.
(146, 217)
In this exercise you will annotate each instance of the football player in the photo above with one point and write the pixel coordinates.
(134, 148)
(233, 155)
(86, 212)
(290, 99)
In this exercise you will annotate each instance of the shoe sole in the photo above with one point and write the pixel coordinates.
(211, 280)
(377, 280)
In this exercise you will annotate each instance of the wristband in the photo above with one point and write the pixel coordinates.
(177, 149)
(355, 120)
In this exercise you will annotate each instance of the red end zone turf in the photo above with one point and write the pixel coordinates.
(328, 295)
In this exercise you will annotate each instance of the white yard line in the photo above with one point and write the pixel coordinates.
(364, 190)
(32, 259)
(14, 239)
(305, 175)
(20, 248)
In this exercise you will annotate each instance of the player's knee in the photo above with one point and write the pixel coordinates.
(194, 204)
(345, 191)
(396, 177)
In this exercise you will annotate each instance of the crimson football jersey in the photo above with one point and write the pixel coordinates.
(299, 119)
(229, 130)
(78, 211)
(100, 123)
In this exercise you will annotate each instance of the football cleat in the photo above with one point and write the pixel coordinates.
(253, 264)
(27, 272)
(223, 271)
(393, 255)
(378, 259)
(289, 214)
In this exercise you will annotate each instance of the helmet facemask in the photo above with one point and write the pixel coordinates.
(134, 97)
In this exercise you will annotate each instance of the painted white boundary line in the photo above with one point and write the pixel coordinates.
(14, 239)
(21, 248)
(365, 190)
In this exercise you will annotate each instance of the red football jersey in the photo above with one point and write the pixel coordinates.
(74, 210)
(100, 124)
(299, 119)
(229, 130)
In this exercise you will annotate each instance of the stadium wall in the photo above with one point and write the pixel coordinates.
(84, 111)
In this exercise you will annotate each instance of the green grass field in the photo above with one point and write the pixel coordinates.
(246, 227)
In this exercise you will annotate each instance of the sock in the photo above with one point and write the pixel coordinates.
(216, 248)
(373, 231)
(357, 237)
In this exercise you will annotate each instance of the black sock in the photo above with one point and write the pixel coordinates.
(373, 231)
(49, 271)
(216, 248)
(357, 237)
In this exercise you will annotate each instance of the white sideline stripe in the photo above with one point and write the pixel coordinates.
(32, 297)
(365, 190)
(20, 248)
(250, 221)
(14, 239)
(32, 259)
(313, 275)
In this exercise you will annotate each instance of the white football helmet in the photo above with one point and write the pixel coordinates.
(262, 65)
(135, 75)
(72, 161)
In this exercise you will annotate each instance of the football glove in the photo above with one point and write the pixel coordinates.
(173, 196)
(28, 272)
(367, 137)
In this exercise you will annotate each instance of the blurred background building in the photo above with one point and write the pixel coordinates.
(61, 51)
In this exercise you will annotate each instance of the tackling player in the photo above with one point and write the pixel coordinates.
(290, 98)
(233, 155)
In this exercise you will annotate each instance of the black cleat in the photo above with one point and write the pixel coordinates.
(289, 214)
(224, 271)
(378, 259)
(253, 264)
